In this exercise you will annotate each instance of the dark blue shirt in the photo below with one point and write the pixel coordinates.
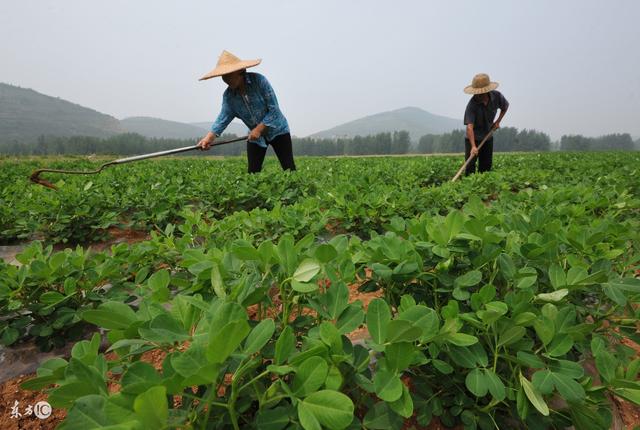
(482, 116)
(258, 105)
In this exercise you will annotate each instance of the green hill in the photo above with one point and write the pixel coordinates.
(161, 128)
(236, 127)
(416, 121)
(26, 114)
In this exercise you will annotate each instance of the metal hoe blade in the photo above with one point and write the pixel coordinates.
(36, 179)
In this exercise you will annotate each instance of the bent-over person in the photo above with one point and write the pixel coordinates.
(251, 98)
(479, 118)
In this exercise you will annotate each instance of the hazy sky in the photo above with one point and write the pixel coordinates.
(565, 66)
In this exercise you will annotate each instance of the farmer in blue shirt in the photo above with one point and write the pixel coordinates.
(251, 98)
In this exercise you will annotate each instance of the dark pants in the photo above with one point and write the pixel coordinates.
(282, 147)
(485, 157)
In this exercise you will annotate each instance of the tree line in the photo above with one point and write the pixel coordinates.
(398, 142)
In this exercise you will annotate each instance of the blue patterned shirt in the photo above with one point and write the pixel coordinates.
(257, 105)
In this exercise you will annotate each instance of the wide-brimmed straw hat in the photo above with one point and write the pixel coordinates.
(481, 84)
(228, 63)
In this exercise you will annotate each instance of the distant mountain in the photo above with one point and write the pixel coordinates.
(161, 128)
(236, 127)
(416, 121)
(26, 114)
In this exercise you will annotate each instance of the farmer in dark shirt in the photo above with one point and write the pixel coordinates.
(479, 119)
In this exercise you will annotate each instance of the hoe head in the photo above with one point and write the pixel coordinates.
(36, 179)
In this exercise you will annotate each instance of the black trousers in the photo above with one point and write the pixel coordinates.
(282, 147)
(484, 158)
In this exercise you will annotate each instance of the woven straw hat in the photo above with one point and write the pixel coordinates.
(481, 84)
(228, 63)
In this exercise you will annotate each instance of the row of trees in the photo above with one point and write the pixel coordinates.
(505, 139)
(618, 142)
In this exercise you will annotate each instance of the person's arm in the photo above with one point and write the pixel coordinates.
(224, 118)
(469, 119)
(257, 132)
(472, 139)
(503, 105)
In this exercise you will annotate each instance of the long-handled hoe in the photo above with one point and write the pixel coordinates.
(466, 163)
(35, 176)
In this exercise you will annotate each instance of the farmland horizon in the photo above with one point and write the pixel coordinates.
(336, 62)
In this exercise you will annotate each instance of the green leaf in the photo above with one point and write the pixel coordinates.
(350, 319)
(606, 364)
(399, 356)
(543, 381)
(285, 345)
(442, 367)
(307, 419)
(382, 417)
(633, 395)
(306, 270)
(272, 419)
(88, 375)
(492, 312)
(557, 277)
(507, 267)
(194, 366)
(280, 370)
(387, 385)
(530, 360)
(51, 298)
(453, 223)
(534, 396)
(304, 287)
(334, 379)
(560, 346)
(568, 388)
(64, 395)
(511, 335)
(159, 280)
(477, 382)
(216, 281)
(223, 342)
(423, 317)
(331, 337)
(325, 253)
(525, 319)
(330, 409)
(461, 339)
(615, 294)
(245, 251)
(527, 277)
(139, 377)
(556, 296)
(111, 315)
(151, 407)
(378, 318)
(544, 329)
(495, 385)
(310, 376)
(95, 411)
(469, 279)
(164, 329)
(402, 331)
(259, 336)
(404, 405)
